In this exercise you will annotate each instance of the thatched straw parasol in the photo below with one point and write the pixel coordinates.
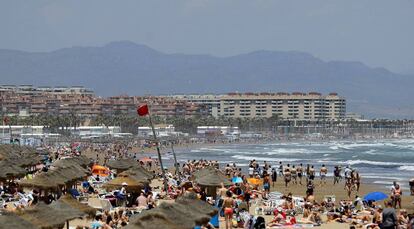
(42, 181)
(204, 171)
(138, 173)
(54, 215)
(133, 185)
(12, 221)
(69, 200)
(121, 164)
(186, 213)
(182, 215)
(56, 177)
(10, 170)
(213, 179)
(81, 161)
(191, 201)
(152, 220)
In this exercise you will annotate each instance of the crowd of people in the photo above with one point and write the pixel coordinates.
(250, 201)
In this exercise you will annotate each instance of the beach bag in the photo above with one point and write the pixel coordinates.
(260, 223)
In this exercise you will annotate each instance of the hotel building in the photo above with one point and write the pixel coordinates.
(295, 106)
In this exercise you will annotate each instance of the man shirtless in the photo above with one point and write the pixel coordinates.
(323, 172)
(299, 171)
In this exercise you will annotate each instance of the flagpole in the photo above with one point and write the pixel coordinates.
(159, 154)
(177, 170)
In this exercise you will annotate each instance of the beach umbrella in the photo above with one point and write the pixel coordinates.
(10, 220)
(183, 215)
(213, 179)
(117, 183)
(10, 170)
(152, 220)
(204, 171)
(191, 201)
(237, 180)
(54, 215)
(139, 173)
(375, 196)
(72, 202)
(254, 181)
(121, 164)
(81, 161)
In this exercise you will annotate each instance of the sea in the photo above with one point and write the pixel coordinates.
(378, 161)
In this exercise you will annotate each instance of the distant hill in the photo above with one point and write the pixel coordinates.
(129, 68)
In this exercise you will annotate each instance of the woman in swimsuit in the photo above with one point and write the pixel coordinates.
(228, 204)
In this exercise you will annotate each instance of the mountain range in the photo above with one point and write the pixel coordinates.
(127, 68)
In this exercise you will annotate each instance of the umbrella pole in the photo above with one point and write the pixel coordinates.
(177, 170)
(159, 154)
(67, 224)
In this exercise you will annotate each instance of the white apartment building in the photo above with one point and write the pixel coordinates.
(295, 106)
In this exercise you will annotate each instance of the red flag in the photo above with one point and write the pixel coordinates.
(142, 110)
(6, 120)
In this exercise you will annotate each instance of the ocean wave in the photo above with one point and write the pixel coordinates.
(406, 168)
(371, 152)
(382, 177)
(250, 158)
(334, 147)
(357, 162)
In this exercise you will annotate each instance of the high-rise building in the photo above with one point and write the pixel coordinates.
(295, 106)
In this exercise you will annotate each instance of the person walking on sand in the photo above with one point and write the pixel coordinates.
(228, 205)
(323, 172)
(274, 176)
(357, 180)
(397, 196)
(337, 175)
(312, 173)
(389, 217)
(280, 169)
(294, 173)
(299, 170)
(288, 177)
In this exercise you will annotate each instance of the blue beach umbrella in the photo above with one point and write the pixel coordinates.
(375, 196)
(237, 180)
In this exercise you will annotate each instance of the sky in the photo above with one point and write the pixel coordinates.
(379, 33)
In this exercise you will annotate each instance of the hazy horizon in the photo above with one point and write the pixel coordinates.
(374, 32)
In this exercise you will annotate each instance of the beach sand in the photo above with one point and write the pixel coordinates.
(299, 190)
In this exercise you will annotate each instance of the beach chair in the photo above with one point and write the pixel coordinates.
(80, 197)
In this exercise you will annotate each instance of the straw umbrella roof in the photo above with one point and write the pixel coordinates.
(138, 173)
(152, 220)
(186, 216)
(191, 201)
(10, 220)
(50, 216)
(20, 155)
(205, 171)
(186, 213)
(69, 200)
(121, 164)
(9, 169)
(81, 161)
(56, 177)
(133, 185)
(213, 179)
